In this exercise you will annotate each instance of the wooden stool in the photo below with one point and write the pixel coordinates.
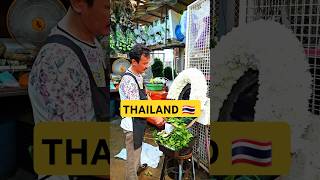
(180, 160)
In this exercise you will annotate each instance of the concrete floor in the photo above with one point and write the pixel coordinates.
(117, 169)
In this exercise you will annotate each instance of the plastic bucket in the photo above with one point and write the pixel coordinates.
(154, 87)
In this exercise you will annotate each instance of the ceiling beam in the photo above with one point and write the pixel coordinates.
(183, 2)
(155, 15)
(141, 20)
(173, 8)
(138, 2)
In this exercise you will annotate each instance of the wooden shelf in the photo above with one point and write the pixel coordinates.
(12, 69)
(148, 11)
(168, 46)
(114, 57)
(119, 55)
(10, 91)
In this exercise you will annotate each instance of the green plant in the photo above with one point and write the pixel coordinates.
(179, 138)
(157, 68)
(176, 122)
(168, 73)
(121, 36)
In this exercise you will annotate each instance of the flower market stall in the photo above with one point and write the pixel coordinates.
(164, 25)
(158, 25)
(193, 30)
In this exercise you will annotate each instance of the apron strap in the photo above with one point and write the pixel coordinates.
(139, 124)
(99, 95)
(135, 79)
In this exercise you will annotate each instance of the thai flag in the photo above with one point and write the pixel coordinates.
(252, 152)
(188, 109)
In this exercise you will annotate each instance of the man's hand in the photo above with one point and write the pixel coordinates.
(157, 121)
(148, 95)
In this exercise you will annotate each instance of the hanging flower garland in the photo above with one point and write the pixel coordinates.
(278, 55)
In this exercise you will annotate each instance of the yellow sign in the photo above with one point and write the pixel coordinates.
(160, 108)
(250, 148)
(71, 148)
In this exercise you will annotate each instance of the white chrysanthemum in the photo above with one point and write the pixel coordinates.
(273, 50)
(199, 89)
(198, 85)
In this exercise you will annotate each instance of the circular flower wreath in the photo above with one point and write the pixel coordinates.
(199, 87)
(285, 84)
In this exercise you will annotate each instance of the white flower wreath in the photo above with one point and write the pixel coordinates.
(285, 83)
(199, 88)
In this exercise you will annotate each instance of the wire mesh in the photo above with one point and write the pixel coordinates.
(201, 147)
(198, 56)
(198, 37)
(236, 13)
(302, 17)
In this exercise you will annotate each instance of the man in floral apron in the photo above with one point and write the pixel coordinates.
(132, 88)
(70, 68)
